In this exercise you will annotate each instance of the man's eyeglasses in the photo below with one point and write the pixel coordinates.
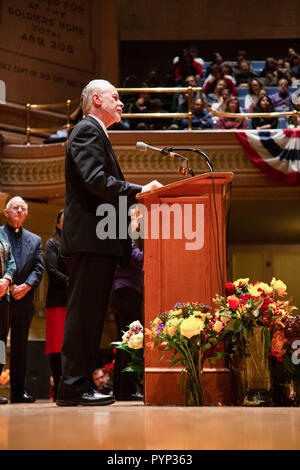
(17, 208)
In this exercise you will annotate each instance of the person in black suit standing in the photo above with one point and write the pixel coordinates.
(27, 251)
(94, 181)
(56, 301)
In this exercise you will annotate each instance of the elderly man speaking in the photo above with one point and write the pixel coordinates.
(93, 178)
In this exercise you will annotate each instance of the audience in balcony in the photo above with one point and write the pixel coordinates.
(296, 106)
(227, 71)
(201, 118)
(269, 68)
(255, 85)
(282, 100)
(264, 105)
(232, 106)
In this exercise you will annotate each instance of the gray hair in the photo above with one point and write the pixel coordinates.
(95, 86)
(18, 198)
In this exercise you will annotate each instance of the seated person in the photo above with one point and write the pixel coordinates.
(295, 68)
(210, 83)
(263, 92)
(141, 105)
(185, 66)
(264, 105)
(181, 99)
(296, 106)
(221, 104)
(217, 59)
(227, 71)
(102, 381)
(282, 100)
(245, 74)
(201, 118)
(255, 85)
(273, 78)
(232, 106)
(269, 68)
(193, 50)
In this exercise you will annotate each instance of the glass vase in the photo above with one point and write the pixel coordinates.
(194, 389)
(257, 366)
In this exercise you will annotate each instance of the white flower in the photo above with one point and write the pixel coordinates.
(136, 341)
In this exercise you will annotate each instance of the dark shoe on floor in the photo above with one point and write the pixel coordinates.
(3, 401)
(90, 398)
(137, 396)
(24, 398)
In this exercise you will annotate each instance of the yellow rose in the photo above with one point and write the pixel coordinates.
(253, 291)
(265, 287)
(242, 282)
(191, 326)
(218, 326)
(279, 286)
(136, 341)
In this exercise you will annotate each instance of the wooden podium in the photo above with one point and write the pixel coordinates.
(182, 269)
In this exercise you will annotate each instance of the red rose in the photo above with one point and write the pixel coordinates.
(229, 288)
(233, 301)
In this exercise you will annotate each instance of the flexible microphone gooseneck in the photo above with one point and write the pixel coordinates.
(142, 147)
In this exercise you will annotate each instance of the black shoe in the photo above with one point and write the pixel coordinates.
(24, 398)
(90, 398)
(137, 396)
(3, 401)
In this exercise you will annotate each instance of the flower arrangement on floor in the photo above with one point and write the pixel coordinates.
(193, 334)
(5, 377)
(133, 343)
(250, 312)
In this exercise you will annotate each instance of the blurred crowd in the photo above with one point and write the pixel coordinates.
(242, 85)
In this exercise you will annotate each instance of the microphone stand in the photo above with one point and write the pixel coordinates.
(171, 149)
(181, 170)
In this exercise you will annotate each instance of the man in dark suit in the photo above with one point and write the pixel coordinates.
(27, 251)
(93, 178)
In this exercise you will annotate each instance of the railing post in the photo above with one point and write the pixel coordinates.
(68, 104)
(190, 101)
(28, 106)
(295, 118)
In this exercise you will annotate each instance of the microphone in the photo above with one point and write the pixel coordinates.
(142, 147)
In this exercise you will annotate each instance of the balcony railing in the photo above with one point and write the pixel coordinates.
(189, 90)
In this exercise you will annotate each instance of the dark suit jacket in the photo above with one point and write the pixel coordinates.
(57, 273)
(30, 268)
(93, 177)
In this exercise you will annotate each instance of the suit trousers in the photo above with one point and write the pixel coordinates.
(20, 317)
(90, 281)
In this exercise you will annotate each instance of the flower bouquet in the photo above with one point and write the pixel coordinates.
(249, 310)
(193, 334)
(133, 343)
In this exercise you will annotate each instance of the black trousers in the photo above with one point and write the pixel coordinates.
(127, 307)
(90, 282)
(4, 322)
(20, 318)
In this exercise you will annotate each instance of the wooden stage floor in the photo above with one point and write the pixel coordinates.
(134, 426)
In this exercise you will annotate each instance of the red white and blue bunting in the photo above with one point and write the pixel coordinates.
(274, 152)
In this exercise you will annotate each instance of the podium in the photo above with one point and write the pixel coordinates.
(186, 268)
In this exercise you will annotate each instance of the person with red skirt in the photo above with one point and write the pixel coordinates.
(56, 301)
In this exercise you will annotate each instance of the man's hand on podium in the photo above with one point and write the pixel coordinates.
(152, 185)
